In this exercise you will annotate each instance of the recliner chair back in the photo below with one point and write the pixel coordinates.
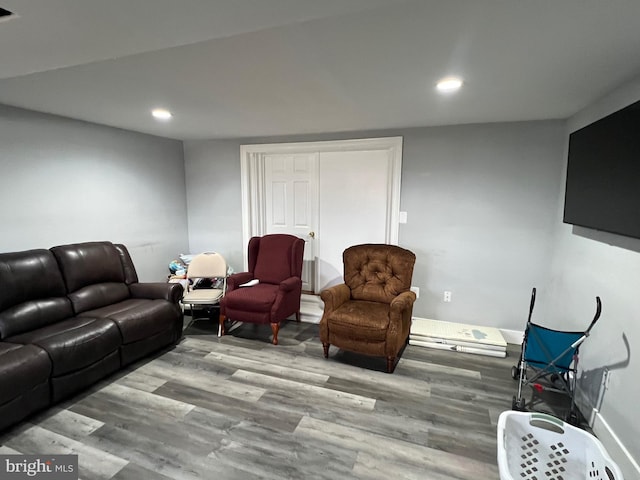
(274, 258)
(93, 273)
(32, 293)
(377, 273)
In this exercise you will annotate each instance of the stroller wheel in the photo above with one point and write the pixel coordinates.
(515, 373)
(517, 405)
(572, 418)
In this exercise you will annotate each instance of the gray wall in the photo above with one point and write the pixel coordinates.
(214, 201)
(65, 181)
(481, 203)
(587, 263)
(484, 204)
(484, 207)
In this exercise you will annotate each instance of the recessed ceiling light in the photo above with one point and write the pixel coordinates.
(449, 84)
(161, 114)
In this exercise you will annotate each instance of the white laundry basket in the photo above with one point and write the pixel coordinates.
(535, 446)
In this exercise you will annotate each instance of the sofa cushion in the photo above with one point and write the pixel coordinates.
(93, 274)
(98, 295)
(22, 367)
(139, 318)
(258, 298)
(360, 320)
(74, 343)
(32, 293)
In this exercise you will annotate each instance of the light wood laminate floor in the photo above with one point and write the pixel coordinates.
(238, 407)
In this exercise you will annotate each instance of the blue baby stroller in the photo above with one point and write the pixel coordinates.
(549, 361)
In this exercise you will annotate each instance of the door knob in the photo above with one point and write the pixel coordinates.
(312, 234)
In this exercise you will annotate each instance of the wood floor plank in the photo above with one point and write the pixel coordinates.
(93, 462)
(320, 394)
(274, 370)
(204, 380)
(238, 407)
(69, 423)
(383, 447)
(141, 381)
(148, 401)
(373, 467)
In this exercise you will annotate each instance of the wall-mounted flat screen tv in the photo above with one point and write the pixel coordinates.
(603, 174)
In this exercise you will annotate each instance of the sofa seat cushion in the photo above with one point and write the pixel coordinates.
(360, 320)
(22, 367)
(139, 318)
(75, 343)
(258, 298)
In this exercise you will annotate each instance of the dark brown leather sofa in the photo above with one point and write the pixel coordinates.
(72, 315)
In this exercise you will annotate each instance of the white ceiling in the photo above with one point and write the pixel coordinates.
(239, 68)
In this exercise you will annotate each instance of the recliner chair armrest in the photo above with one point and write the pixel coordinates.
(290, 284)
(171, 292)
(237, 279)
(335, 296)
(403, 301)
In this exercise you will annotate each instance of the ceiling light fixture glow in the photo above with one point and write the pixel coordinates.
(161, 114)
(449, 84)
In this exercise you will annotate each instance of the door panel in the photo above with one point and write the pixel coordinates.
(354, 198)
(291, 191)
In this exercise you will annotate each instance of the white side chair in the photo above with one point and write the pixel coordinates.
(205, 266)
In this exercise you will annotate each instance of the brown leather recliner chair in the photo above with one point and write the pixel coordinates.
(275, 261)
(370, 312)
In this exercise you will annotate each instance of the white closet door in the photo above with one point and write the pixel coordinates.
(291, 206)
(354, 204)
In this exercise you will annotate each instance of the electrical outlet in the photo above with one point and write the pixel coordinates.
(447, 296)
(416, 290)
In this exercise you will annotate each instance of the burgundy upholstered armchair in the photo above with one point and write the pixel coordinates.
(370, 312)
(275, 261)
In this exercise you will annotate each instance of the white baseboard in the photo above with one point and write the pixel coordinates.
(311, 308)
(309, 318)
(615, 448)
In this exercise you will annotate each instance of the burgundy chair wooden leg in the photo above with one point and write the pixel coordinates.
(275, 328)
(325, 347)
(221, 325)
(298, 316)
(391, 364)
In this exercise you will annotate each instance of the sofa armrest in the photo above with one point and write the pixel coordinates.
(290, 284)
(403, 301)
(335, 296)
(400, 320)
(171, 292)
(237, 279)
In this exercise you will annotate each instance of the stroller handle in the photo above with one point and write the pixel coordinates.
(593, 322)
(532, 303)
(596, 316)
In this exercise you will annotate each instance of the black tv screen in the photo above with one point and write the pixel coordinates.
(603, 174)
